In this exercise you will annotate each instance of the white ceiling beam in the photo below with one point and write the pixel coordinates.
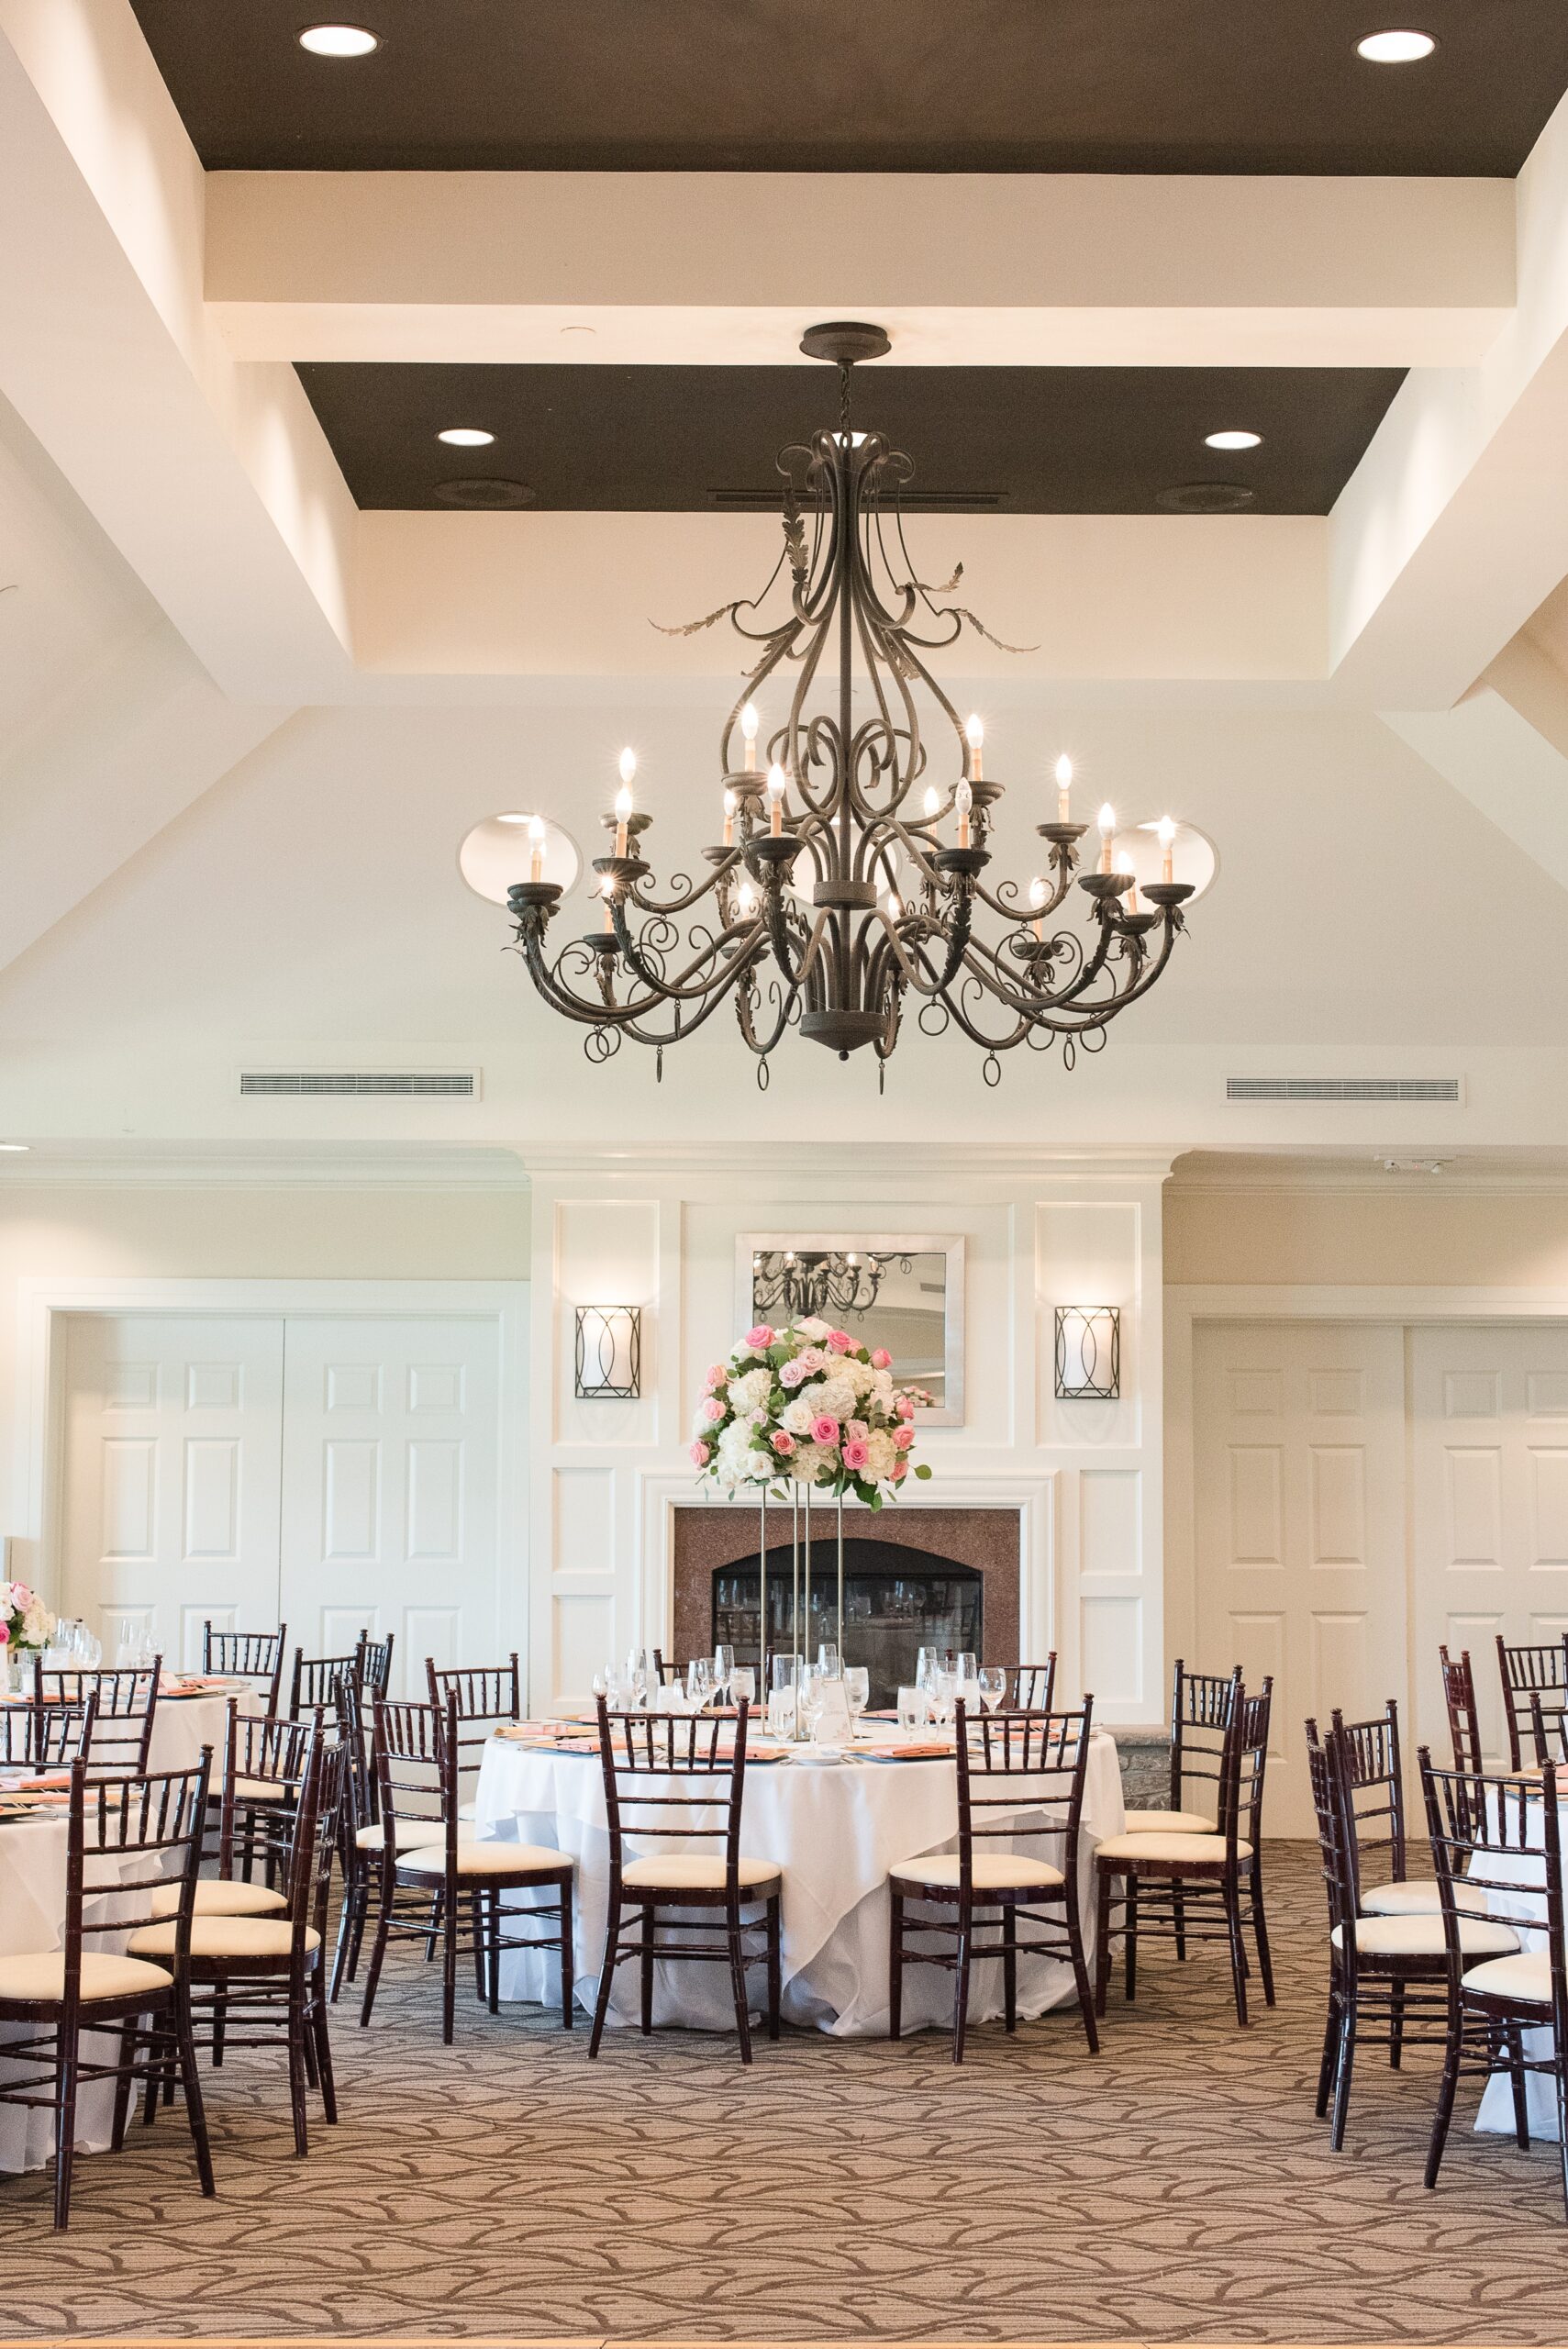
(727, 269)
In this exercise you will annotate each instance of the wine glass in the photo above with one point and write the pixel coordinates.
(636, 1676)
(856, 1694)
(723, 1670)
(993, 1683)
(926, 1670)
(827, 1662)
(911, 1709)
(699, 1682)
(783, 1695)
(967, 1679)
(811, 1697)
(946, 1688)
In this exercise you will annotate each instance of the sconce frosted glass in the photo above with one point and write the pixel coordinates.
(609, 1352)
(1088, 1353)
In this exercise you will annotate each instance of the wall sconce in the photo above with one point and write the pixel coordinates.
(609, 1352)
(1088, 1353)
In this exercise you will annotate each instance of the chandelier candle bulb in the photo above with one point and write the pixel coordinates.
(1037, 894)
(963, 799)
(1124, 864)
(1107, 820)
(730, 806)
(974, 735)
(535, 844)
(748, 735)
(623, 814)
(777, 785)
(1064, 789)
(1167, 834)
(933, 802)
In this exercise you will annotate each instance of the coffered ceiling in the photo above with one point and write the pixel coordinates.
(914, 86)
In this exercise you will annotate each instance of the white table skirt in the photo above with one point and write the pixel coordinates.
(836, 1832)
(1521, 1909)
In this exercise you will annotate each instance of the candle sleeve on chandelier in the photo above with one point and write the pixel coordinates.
(1064, 789)
(1107, 820)
(1167, 835)
(974, 735)
(964, 800)
(730, 807)
(749, 722)
(777, 785)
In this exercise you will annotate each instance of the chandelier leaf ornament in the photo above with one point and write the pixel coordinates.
(851, 885)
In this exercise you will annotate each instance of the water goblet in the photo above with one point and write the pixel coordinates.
(926, 1669)
(811, 1698)
(723, 1670)
(699, 1682)
(742, 1685)
(992, 1685)
(783, 1695)
(947, 1687)
(827, 1662)
(856, 1694)
(911, 1709)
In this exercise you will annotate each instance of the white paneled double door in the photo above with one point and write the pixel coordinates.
(332, 1473)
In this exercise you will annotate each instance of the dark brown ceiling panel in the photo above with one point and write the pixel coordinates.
(925, 85)
(1008, 440)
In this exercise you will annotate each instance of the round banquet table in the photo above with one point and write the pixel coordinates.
(836, 1830)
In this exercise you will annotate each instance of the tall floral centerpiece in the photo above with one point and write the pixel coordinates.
(799, 1410)
(26, 1625)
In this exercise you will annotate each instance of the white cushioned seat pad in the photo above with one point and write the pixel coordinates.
(410, 1832)
(483, 1859)
(1526, 1976)
(1419, 1897)
(1423, 1937)
(692, 1872)
(1192, 1849)
(1168, 1822)
(220, 1897)
(999, 1871)
(234, 1937)
(43, 1977)
(262, 1790)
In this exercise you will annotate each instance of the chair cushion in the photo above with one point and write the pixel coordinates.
(43, 1977)
(262, 1790)
(1423, 1937)
(410, 1832)
(1526, 1976)
(1168, 1822)
(228, 1937)
(692, 1872)
(220, 1896)
(483, 1859)
(1419, 1897)
(997, 1871)
(1192, 1849)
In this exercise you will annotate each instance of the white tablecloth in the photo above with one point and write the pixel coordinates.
(836, 1832)
(1521, 1909)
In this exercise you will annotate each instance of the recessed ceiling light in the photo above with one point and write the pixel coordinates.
(465, 436)
(1232, 439)
(1396, 48)
(339, 40)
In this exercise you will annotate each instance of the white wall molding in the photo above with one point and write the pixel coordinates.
(900, 1174)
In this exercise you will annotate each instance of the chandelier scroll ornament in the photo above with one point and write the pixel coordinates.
(834, 903)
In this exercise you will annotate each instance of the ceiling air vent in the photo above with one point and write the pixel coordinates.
(1343, 1088)
(318, 1084)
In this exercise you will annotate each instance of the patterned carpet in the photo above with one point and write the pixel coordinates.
(1176, 2190)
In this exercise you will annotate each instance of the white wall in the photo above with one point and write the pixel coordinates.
(662, 1233)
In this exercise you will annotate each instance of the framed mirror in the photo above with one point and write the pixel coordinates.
(901, 1290)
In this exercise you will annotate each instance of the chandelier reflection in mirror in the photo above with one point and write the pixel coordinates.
(807, 1281)
(851, 883)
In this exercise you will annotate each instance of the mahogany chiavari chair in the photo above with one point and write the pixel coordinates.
(1202, 1705)
(1375, 1785)
(374, 1665)
(1538, 1674)
(313, 1685)
(45, 1737)
(265, 1759)
(1543, 1737)
(1012, 1767)
(667, 1673)
(1183, 1886)
(422, 1855)
(665, 1776)
(256, 1656)
(125, 1704)
(1464, 1720)
(486, 1694)
(252, 1976)
(1501, 1836)
(128, 1837)
(1387, 1974)
(1032, 1687)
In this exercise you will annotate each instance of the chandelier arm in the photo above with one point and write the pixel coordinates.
(694, 894)
(675, 990)
(1014, 913)
(762, 1046)
(1153, 967)
(985, 965)
(561, 998)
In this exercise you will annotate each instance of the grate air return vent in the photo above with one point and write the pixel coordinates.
(318, 1084)
(1343, 1088)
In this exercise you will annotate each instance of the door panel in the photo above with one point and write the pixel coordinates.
(1490, 1411)
(172, 1462)
(389, 1513)
(1299, 1441)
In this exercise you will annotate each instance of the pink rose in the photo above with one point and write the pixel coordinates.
(824, 1430)
(881, 1359)
(4, 1635)
(857, 1456)
(840, 1342)
(761, 1336)
(701, 1455)
(856, 1430)
(784, 1443)
(902, 1407)
(716, 1376)
(713, 1410)
(794, 1373)
(900, 1470)
(903, 1438)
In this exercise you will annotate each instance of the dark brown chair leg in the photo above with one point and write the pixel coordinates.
(1010, 1966)
(476, 1926)
(297, 2077)
(1179, 1919)
(961, 1983)
(451, 1919)
(1260, 1933)
(1237, 1947)
(775, 1966)
(373, 1971)
(568, 1990)
(738, 1978)
(184, 2039)
(1443, 2112)
(1516, 2047)
(65, 2061)
(128, 2030)
(1331, 2049)
(1343, 2072)
(896, 1965)
(1080, 1970)
(1396, 2025)
(1130, 1940)
(1102, 1937)
(647, 1971)
(493, 1931)
(606, 1977)
(323, 2051)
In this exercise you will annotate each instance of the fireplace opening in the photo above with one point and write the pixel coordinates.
(897, 1600)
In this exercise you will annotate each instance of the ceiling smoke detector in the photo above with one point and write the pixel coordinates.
(1413, 1165)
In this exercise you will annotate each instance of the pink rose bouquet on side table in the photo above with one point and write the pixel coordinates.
(805, 1405)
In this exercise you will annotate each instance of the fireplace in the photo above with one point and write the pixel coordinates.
(914, 1576)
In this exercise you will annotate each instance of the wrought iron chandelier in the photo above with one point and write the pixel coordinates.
(806, 1281)
(833, 903)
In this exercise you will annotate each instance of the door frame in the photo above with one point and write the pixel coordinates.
(1187, 1304)
(42, 1303)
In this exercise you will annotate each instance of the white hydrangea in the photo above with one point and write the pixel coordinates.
(881, 1388)
(860, 1375)
(836, 1397)
(750, 1391)
(806, 1461)
(879, 1446)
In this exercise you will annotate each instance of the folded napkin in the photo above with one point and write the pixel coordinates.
(911, 1750)
(192, 1685)
(25, 1782)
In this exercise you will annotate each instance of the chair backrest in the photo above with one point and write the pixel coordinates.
(1032, 1687)
(664, 1773)
(1375, 1784)
(124, 1702)
(482, 1693)
(1327, 1770)
(1011, 1759)
(312, 1838)
(667, 1673)
(1244, 1816)
(1463, 1722)
(45, 1737)
(130, 1836)
(248, 1655)
(266, 1756)
(1203, 1712)
(1482, 1828)
(1538, 1672)
(416, 1770)
(374, 1658)
(314, 1684)
(1542, 1736)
